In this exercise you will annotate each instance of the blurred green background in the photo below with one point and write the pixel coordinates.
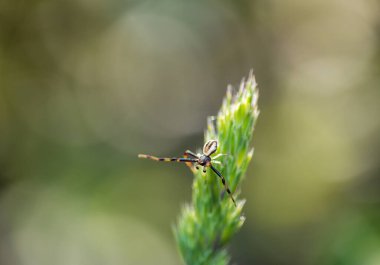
(87, 85)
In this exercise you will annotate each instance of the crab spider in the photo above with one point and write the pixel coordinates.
(204, 160)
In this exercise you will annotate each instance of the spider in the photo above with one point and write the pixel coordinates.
(203, 160)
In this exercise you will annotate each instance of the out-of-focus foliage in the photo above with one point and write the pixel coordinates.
(86, 85)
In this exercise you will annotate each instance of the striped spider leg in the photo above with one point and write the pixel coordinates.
(169, 159)
(203, 160)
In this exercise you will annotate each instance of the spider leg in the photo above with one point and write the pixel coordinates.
(224, 183)
(191, 154)
(169, 159)
(187, 154)
(216, 162)
(219, 155)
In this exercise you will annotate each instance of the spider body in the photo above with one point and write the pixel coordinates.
(203, 160)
